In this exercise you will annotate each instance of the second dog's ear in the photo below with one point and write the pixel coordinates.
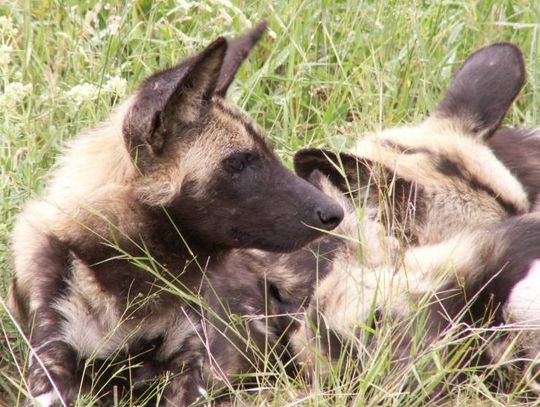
(483, 89)
(171, 99)
(346, 172)
(237, 51)
(354, 175)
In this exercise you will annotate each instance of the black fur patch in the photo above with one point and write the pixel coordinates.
(522, 246)
(519, 151)
(484, 87)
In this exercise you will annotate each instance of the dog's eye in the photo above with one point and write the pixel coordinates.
(238, 162)
(234, 164)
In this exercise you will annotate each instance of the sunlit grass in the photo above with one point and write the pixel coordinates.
(327, 72)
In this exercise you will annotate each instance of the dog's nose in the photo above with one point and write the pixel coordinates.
(330, 216)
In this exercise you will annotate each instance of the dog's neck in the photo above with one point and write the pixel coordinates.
(175, 238)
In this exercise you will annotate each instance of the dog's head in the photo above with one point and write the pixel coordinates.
(438, 177)
(210, 167)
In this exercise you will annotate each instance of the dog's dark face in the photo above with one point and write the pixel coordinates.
(210, 167)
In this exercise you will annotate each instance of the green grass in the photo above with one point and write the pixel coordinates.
(327, 72)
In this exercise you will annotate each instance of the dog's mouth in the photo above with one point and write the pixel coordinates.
(246, 239)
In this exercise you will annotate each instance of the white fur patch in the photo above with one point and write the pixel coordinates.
(46, 400)
(523, 306)
(84, 332)
(260, 326)
(178, 331)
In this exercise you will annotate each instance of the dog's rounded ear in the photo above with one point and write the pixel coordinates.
(308, 160)
(356, 177)
(483, 89)
(345, 171)
(237, 51)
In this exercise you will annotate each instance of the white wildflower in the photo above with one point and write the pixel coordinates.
(225, 16)
(116, 86)
(91, 19)
(83, 93)
(5, 54)
(6, 27)
(185, 5)
(17, 90)
(225, 3)
(113, 24)
(222, 4)
(205, 7)
(14, 93)
(271, 33)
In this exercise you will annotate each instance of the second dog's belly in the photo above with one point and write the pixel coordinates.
(523, 305)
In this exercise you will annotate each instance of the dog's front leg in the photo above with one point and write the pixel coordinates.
(43, 279)
(53, 363)
(187, 383)
(186, 388)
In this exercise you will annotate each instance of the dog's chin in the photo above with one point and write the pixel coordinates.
(277, 247)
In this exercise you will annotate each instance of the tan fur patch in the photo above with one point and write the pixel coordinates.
(452, 202)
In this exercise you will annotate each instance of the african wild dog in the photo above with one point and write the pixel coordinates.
(473, 248)
(427, 189)
(441, 175)
(112, 258)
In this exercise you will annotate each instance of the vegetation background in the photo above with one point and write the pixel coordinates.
(326, 72)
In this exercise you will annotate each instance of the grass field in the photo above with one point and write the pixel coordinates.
(326, 72)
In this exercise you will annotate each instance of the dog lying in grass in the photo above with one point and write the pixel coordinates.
(468, 261)
(444, 204)
(110, 261)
